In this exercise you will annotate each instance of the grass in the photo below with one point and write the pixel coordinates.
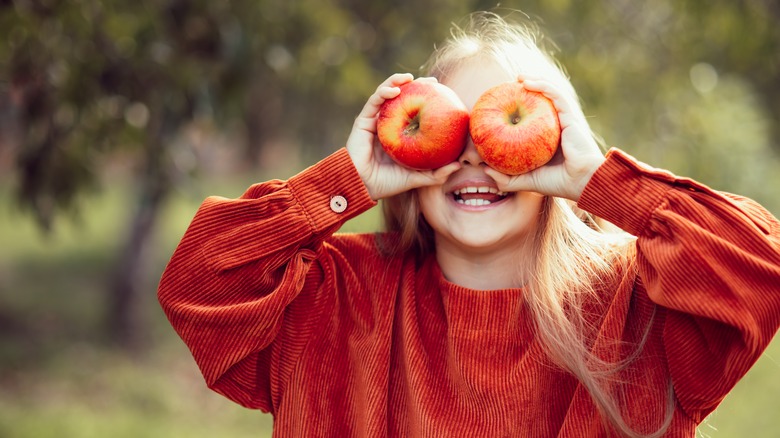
(86, 392)
(59, 378)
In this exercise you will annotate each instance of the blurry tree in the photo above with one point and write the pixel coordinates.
(88, 80)
(689, 85)
(92, 78)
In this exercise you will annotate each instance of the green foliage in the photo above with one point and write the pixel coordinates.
(161, 92)
(688, 86)
(88, 78)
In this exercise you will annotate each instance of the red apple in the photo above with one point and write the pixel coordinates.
(514, 130)
(424, 127)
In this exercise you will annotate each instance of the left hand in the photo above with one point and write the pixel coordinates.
(577, 159)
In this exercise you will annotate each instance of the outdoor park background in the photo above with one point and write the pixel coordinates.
(118, 117)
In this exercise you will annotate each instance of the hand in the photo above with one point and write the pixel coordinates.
(577, 159)
(382, 176)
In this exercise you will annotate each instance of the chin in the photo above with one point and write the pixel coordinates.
(481, 244)
(498, 226)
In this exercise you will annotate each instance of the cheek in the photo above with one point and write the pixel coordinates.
(427, 194)
(431, 204)
(528, 207)
(531, 209)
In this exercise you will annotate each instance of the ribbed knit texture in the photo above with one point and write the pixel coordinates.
(336, 340)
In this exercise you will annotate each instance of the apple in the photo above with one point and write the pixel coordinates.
(424, 127)
(514, 130)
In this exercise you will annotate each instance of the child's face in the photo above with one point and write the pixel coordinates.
(478, 222)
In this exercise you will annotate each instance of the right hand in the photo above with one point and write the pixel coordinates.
(382, 176)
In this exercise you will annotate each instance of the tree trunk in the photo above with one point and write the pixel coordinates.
(130, 275)
(128, 282)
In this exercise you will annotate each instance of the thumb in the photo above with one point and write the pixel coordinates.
(433, 177)
(513, 183)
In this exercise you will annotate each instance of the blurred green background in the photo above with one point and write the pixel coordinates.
(118, 117)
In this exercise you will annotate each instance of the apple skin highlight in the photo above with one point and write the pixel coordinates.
(514, 130)
(424, 127)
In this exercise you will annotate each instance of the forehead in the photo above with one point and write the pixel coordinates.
(471, 80)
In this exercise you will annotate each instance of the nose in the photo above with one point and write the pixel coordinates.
(469, 156)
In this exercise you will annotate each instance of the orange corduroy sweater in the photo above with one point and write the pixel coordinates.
(283, 314)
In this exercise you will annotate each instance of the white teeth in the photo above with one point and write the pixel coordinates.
(483, 189)
(474, 202)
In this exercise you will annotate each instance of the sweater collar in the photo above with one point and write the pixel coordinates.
(471, 309)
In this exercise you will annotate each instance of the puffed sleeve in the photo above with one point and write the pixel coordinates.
(241, 263)
(711, 258)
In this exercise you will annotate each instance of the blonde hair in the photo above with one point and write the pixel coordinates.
(574, 255)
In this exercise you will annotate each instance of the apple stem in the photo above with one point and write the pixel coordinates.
(413, 125)
(515, 117)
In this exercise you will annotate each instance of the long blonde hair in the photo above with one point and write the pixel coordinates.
(573, 253)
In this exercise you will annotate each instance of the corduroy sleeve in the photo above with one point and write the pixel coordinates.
(712, 258)
(242, 261)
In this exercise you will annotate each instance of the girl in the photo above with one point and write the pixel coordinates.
(517, 317)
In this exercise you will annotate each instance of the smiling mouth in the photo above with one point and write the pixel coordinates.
(478, 196)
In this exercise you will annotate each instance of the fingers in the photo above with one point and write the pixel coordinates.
(389, 89)
(427, 79)
(549, 91)
(568, 108)
(509, 183)
(366, 124)
(501, 179)
(433, 177)
(441, 174)
(386, 90)
(398, 79)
